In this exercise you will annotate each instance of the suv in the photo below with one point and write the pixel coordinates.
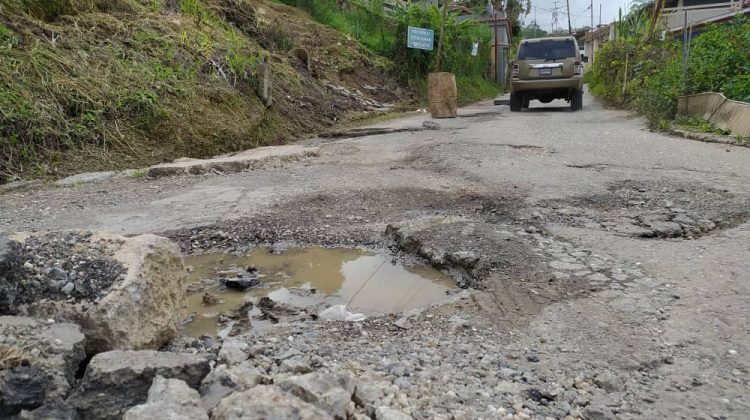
(547, 69)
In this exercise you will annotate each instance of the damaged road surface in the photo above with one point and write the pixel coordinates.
(601, 271)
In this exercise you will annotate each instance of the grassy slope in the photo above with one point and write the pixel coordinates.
(126, 83)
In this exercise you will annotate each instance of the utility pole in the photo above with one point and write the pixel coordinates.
(570, 28)
(497, 41)
(591, 6)
(440, 40)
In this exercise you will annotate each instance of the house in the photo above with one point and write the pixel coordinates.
(675, 12)
(501, 40)
(592, 40)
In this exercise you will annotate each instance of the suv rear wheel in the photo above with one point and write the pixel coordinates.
(526, 101)
(516, 101)
(576, 102)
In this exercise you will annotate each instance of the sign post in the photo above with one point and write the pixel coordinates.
(420, 38)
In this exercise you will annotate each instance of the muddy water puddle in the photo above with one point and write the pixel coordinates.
(364, 281)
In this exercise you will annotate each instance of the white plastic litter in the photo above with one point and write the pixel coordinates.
(339, 313)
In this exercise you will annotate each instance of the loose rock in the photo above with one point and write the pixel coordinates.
(117, 380)
(224, 380)
(325, 390)
(266, 402)
(170, 399)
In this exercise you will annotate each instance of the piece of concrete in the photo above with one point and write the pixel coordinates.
(117, 380)
(169, 399)
(251, 159)
(266, 402)
(142, 310)
(85, 178)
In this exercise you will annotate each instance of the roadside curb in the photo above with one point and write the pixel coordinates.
(707, 137)
(251, 159)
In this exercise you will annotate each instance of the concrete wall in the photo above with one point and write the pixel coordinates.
(729, 115)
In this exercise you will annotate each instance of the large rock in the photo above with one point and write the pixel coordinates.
(57, 349)
(169, 399)
(143, 309)
(266, 402)
(331, 392)
(225, 380)
(117, 380)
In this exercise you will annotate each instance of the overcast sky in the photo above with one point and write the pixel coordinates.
(580, 15)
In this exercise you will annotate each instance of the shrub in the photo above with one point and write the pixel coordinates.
(719, 62)
(387, 36)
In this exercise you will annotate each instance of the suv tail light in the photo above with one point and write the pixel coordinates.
(579, 68)
(516, 69)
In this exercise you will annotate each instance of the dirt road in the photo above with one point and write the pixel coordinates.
(610, 266)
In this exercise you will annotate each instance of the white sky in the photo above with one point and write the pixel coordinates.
(580, 15)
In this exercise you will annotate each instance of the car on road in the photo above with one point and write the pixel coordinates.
(547, 69)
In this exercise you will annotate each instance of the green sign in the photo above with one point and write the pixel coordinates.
(420, 38)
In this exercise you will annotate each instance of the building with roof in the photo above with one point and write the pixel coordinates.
(700, 12)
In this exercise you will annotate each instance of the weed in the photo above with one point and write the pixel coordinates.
(11, 357)
(8, 39)
(156, 6)
(191, 7)
(138, 173)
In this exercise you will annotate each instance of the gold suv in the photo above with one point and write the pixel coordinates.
(547, 69)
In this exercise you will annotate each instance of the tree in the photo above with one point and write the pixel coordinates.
(516, 10)
(533, 30)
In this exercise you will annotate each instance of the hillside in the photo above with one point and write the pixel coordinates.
(95, 84)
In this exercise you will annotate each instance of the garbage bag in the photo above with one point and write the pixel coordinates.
(339, 313)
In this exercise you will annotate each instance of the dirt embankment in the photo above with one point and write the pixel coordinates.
(128, 83)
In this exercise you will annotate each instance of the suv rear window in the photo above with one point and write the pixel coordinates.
(547, 50)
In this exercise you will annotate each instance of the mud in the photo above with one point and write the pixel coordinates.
(364, 281)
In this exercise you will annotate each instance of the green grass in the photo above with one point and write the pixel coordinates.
(699, 124)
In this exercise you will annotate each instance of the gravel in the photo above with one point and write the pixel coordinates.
(57, 266)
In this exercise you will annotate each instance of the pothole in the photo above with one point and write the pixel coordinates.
(366, 282)
(655, 210)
